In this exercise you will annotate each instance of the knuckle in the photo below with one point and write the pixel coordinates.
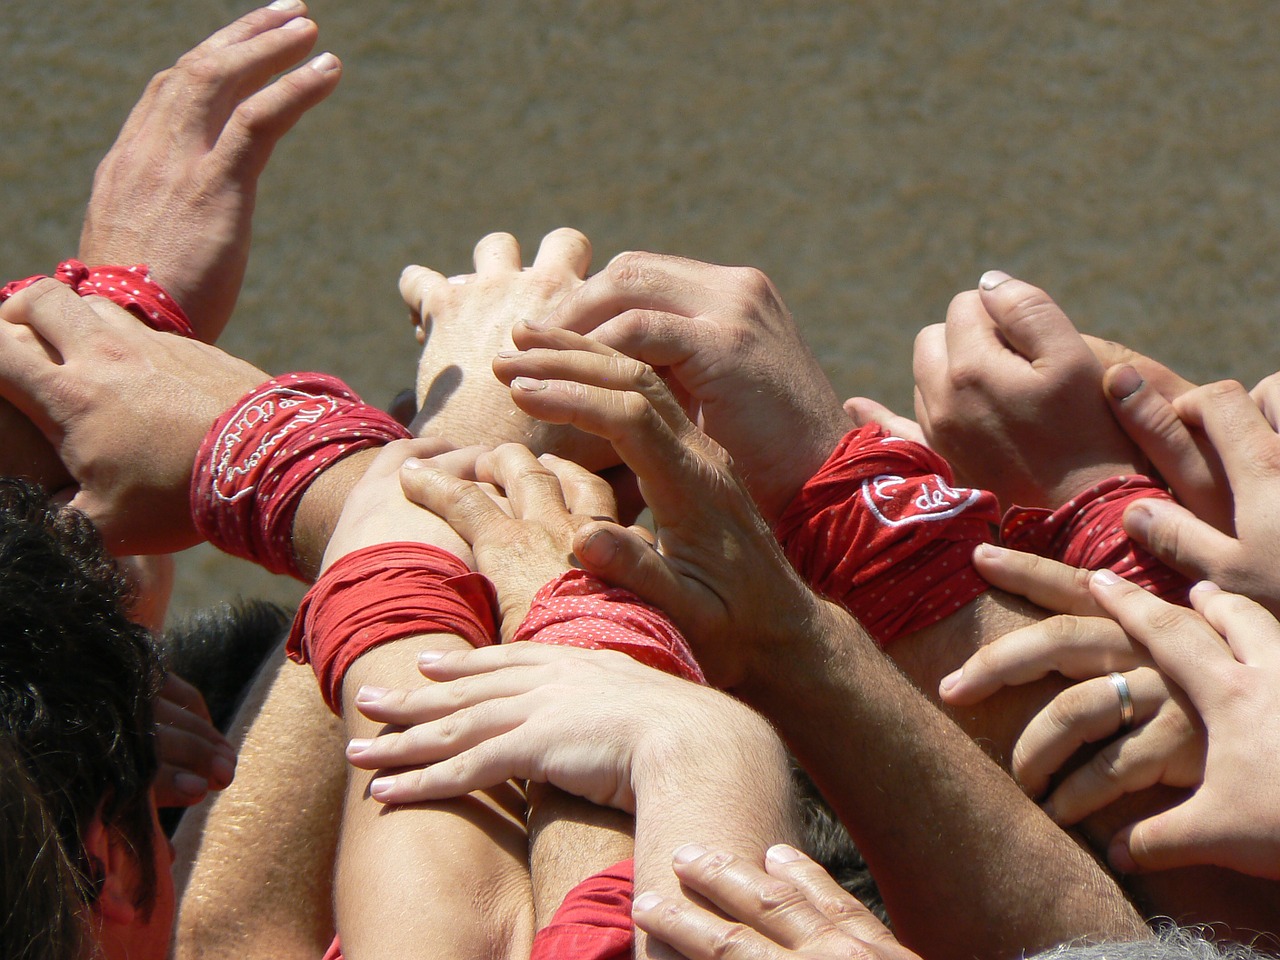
(629, 270)
(753, 284)
(730, 941)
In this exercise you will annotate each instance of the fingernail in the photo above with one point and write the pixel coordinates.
(358, 745)
(1205, 586)
(528, 384)
(284, 5)
(1105, 578)
(429, 656)
(992, 279)
(646, 901)
(325, 63)
(1124, 383)
(508, 354)
(370, 694)
(413, 463)
(223, 771)
(599, 549)
(227, 750)
(688, 853)
(986, 551)
(1137, 521)
(949, 681)
(538, 323)
(457, 281)
(190, 784)
(783, 853)
(297, 23)
(381, 787)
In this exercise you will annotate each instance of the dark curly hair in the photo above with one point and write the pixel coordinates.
(76, 680)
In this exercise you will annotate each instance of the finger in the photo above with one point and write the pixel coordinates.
(1076, 647)
(1030, 321)
(416, 284)
(621, 556)
(56, 314)
(973, 340)
(181, 744)
(820, 889)
(497, 253)
(251, 25)
(176, 787)
(772, 906)
(1184, 646)
(644, 281)
(1187, 463)
(460, 503)
(258, 123)
(1178, 538)
(179, 691)
(1082, 713)
(1046, 583)
(1267, 396)
(1241, 435)
(929, 366)
(1251, 631)
(863, 411)
(1154, 753)
(533, 490)
(698, 934)
(1155, 374)
(564, 251)
(1181, 837)
(585, 493)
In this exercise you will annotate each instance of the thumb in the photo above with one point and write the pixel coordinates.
(1177, 537)
(1180, 837)
(621, 556)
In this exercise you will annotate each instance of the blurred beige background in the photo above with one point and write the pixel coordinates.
(873, 157)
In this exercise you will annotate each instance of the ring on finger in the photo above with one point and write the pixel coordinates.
(1121, 686)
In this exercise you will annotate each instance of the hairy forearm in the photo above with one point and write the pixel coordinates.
(968, 866)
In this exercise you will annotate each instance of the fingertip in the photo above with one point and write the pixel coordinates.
(326, 63)
(992, 279)
(190, 784)
(782, 853)
(1120, 857)
(1122, 381)
(645, 902)
(597, 548)
(948, 683)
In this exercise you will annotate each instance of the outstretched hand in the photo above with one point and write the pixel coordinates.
(1011, 394)
(177, 189)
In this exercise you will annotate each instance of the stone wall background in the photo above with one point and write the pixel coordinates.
(873, 157)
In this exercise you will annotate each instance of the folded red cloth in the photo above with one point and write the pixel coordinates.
(129, 287)
(259, 458)
(386, 592)
(1088, 531)
(880, 529)
(594, 921)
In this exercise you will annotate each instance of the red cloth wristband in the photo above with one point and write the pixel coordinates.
(381, 593)
(129, 287)
(594, 921)
(577, 610)
(880, 529)
(1088, 531)
(260, 457)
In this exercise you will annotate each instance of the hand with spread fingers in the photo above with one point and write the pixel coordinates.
(177, 189)
(1156, 737)
(1243, 557)
(526, 541)
(101, 386)
(730, 350)
(465, 321)
(790, 908)
(1226, 656)
(1010, 393)
(717, 569)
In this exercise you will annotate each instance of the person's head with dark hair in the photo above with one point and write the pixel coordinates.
(40, 915)
(76, 683)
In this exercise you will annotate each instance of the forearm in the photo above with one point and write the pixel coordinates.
(320, 507)
(958, 851)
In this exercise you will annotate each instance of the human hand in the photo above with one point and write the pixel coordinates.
(1226, 656)
(791, 908)
(177, 189)
(593, 723)
(125, 407)
(735, 359)
(376, 510)
(465, 321)
(526, 542)
(194, 757)
(718, 571)
(1244, 558)
(1011, 395)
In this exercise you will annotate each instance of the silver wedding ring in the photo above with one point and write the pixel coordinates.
(1126, 699)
